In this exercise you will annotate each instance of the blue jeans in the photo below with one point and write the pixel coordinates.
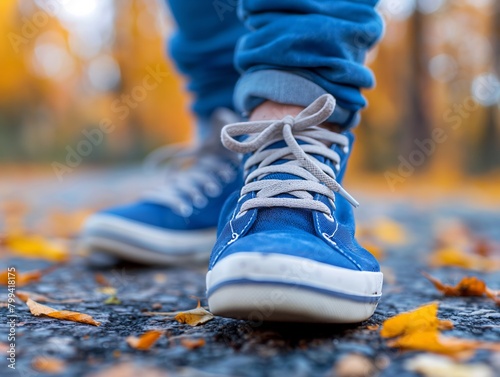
(239, 53)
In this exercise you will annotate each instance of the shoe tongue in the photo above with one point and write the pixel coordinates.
(289, 219)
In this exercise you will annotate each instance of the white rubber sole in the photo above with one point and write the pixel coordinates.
(276, 287)
(139, 243)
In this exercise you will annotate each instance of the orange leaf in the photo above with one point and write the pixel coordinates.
(41, 310)
(421, 319)
(469, 286)
(21, 279)
(192, 344)
(101, 280)
(145, 341)
(24, 278)
(48, 365)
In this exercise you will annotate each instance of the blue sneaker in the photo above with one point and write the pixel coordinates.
(286, 249)
(175, 223)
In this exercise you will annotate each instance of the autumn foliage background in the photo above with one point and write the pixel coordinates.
(437, 67)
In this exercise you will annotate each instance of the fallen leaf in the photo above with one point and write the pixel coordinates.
(469, 286)
(24, 295)
(110, 291)
(21, 278)
(354, 365)
(374, 250)
(454, 257)
(41, 310)
(419, 331)
(24, 278)
(101, 280)
(145, 341)
(192, 344)
(483, 248)
(33, 246)
(388, 231)
(112, 300)
(438, 366)
(421, 319)
(48, 365)
(193, 317)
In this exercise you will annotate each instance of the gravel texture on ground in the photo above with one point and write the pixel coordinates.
(233, 347)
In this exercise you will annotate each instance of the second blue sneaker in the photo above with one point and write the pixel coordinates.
(176, 222)
(286, 249)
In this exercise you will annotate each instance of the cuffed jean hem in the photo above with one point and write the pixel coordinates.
(254, 88)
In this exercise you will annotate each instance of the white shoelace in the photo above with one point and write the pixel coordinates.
(194, 173)
(317, 177)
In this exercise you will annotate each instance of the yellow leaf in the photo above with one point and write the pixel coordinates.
(453, 257)
(111, 291)
(41, 310)
(145, 341)
(36, 247)
(49, 365)
(433, 341)
(389, 231)
(421, 319)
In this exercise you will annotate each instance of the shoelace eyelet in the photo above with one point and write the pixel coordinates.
(329, 217)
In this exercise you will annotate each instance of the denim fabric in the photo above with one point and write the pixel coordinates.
(321, 41)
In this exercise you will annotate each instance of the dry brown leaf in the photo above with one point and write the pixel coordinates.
(469, 286)
(193, 317)
(33, 246)
(48, 365)
(355, 365)
(41, 310)
(24, 295)
(421, 319)
(145, 341)
(192, 344)
(438, 366)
